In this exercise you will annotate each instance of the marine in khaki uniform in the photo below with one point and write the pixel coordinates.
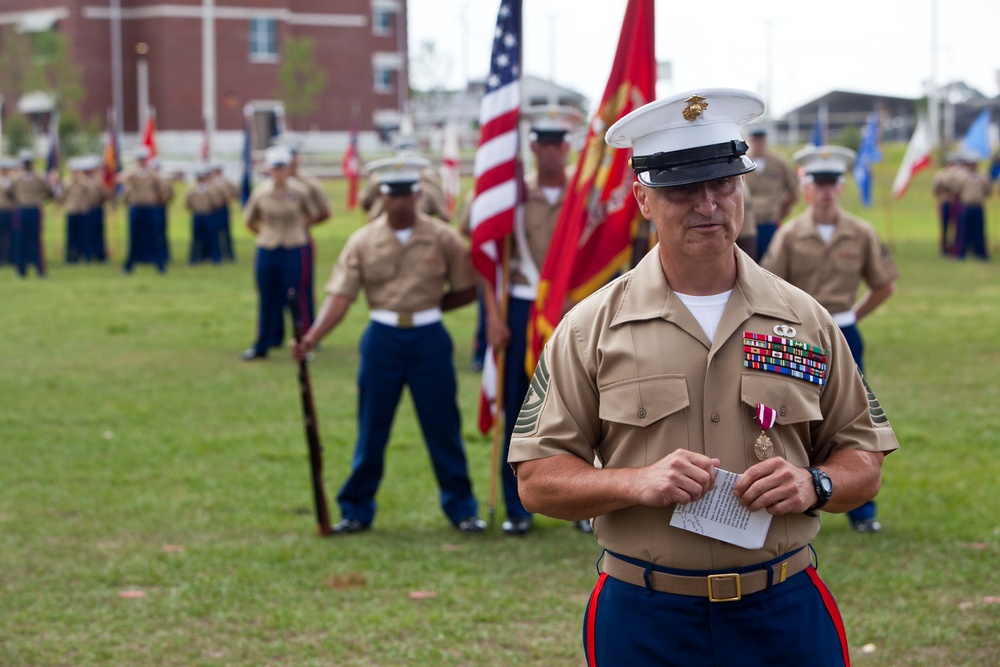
(205, 200)
(830, 253)
(7, 169)
(431, 201)
(774, 186)
(545, 188)
(944, 188)
(143, 193)
(973, 187)
(671, 374)
(411, 269)
(278, 213)
(76, 198)
(29, 192)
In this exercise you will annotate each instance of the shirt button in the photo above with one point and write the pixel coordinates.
(715, 417)
(641, 413)
(783, 411)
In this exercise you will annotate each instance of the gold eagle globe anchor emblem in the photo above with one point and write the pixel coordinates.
(696, 105)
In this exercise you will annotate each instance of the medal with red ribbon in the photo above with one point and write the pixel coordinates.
(763, 448)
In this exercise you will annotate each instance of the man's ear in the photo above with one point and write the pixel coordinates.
(641, 197)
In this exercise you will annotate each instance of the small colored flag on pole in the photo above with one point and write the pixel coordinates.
(868, 154)
(916, 158)
(112, 156)
(246, 183)
(149, 134)
(977, 137)
(450, 160)
(351, 166)
(52, 158)
(497, 169)
(206, 148)
(593, 235)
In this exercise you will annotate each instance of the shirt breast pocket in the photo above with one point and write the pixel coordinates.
(796, 403)
(648, 410)
(379, 269)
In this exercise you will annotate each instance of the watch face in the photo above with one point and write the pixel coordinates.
(826, 483)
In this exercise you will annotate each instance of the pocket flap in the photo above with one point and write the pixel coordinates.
(794, 400)
(643, 401)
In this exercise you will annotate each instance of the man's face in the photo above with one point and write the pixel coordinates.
(757, 143)
(699, 220)
(824, 195)
(550, 155)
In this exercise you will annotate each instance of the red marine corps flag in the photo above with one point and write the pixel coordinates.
(593, 235)
(351, 166)
(497, 171)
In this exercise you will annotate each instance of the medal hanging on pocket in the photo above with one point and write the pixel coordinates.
(763, 448)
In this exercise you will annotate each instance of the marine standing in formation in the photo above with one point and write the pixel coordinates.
(411, 268)
(29, 192)
(829, 253)
(7, 167)
(682, 369)
(774, 186)
(545, 189)
(145, 195)
(279, 213)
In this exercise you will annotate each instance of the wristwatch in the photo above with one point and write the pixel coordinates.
(824, 489)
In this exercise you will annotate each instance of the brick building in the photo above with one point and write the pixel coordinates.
(207, 61)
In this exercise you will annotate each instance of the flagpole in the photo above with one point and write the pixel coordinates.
(499, 424)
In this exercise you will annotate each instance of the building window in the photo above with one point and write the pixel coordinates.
(382, 21)
(384, 79)
(263, 40)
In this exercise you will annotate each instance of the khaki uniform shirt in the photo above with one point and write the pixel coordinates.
(30, 190)
(629, 376)
(831, 272)
(405, 278)
(973, 188)
(204, 198)
(281, 216)
(540, 218)
(6, 196)
(749, 229)
(772, 186)
(141, 187)
(320, 202)
(79, 195)
(944, 184)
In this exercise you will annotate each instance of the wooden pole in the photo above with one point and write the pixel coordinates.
(499, 425)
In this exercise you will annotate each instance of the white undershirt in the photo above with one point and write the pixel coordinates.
(706, 309)
(552, 193)
(826, 230)
(404, 234)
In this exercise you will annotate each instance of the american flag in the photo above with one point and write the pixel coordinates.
(497, 173)
(496, 168)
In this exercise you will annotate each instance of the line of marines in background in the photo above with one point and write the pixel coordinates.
(960, 190)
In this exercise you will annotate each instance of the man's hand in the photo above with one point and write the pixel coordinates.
(497, 333)
(301, 348)
(777, 485)
(680, 477)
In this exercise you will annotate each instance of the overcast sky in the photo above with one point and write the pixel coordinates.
(789, 51)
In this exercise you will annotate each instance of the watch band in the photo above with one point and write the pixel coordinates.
(822, 495)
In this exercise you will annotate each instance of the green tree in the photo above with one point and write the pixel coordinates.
(302, 79)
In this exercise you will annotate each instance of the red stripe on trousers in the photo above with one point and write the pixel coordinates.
(592, 620)
(831, 608)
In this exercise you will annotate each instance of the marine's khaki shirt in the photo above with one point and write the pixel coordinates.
(629, 377)
(30, 190)
(204, 198)
(831, 272)
(772, 185)
(6, 196)
(973, 188)
(141, 187)
(320, 202)
(280, 215)
(540, 218)
(405, 278)
(944, 184)
(749, 229)
(80, 195)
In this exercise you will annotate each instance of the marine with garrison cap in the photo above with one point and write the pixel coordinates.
(697, 362)
(412, 269)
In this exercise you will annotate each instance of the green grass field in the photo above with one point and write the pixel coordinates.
(139, 456)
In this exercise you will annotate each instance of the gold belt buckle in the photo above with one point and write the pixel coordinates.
(405, 320)
(712, 578)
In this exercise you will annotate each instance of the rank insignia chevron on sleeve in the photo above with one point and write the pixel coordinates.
(527, 419)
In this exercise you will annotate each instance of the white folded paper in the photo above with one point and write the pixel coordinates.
(719, 514)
